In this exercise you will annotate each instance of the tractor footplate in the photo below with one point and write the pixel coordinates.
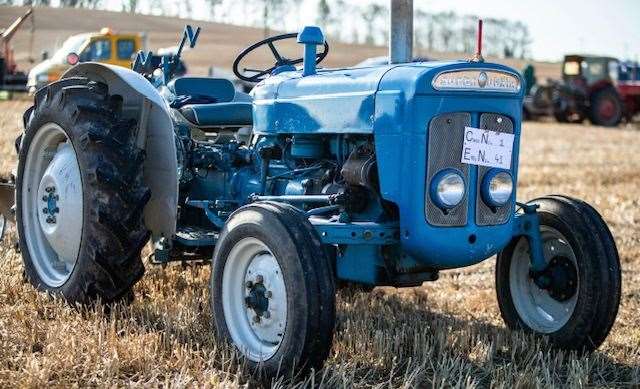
(195, 237)
(189, 244)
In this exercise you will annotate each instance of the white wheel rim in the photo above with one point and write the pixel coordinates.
(251, 261)
(541, 312)
(52, 204)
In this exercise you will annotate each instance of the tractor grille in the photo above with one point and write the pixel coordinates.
(444, 152)
(484, 214)
(446, 134)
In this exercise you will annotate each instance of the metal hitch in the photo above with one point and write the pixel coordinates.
(7, 204)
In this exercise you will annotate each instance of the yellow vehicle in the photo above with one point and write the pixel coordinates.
(105, 46)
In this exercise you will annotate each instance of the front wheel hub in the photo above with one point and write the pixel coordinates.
(559, 278)
(563, 278)
(545, 301)
(255, 303)
(257, 300)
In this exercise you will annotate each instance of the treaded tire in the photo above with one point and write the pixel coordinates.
(308, 281)
(598, 98)
(598, 271)
(114, 196)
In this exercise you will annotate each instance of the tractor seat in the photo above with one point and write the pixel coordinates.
(231, 114)
(219, 89)
(215, 102)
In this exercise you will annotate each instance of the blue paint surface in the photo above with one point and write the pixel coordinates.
(395, 103)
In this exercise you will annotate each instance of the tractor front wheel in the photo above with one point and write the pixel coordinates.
(272, 290)
(576, 301)
(79, 194)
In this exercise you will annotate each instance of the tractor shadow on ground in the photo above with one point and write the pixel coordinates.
(453, 338)
(377, 326)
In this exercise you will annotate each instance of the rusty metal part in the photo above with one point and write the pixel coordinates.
(7, 199)
(401, 31)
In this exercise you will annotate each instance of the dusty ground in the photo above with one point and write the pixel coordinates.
(447, 333)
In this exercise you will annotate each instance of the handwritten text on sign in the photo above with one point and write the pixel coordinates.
(487, 148)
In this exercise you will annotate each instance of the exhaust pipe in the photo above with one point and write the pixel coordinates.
(401, 31)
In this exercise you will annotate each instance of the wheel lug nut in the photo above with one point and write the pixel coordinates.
(45, 210)
(45, 198)
(259, 279)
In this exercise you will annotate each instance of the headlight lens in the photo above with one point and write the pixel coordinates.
(447, 189)
(43, 77)
(497, 188)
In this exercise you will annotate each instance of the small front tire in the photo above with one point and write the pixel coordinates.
(272, 290)
(577, 310)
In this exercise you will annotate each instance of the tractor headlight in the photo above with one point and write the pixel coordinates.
(42, 77)
(447, 189)
(497, 187)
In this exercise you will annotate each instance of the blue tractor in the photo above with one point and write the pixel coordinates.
(381, 175)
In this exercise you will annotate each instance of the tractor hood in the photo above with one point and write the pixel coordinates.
(343, 100)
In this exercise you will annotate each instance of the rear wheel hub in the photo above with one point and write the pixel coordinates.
(607, 108)
(52, 204)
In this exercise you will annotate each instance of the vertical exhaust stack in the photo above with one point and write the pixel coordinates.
(401, 31)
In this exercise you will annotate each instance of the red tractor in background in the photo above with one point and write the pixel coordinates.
(11, 78)
(602, 89)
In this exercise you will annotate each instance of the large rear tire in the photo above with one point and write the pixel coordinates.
(80, 194)
(606, 108)
(577, 310)
(272, 290)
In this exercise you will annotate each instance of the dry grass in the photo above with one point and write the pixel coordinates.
(447, 333)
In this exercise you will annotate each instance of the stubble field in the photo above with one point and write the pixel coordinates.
(443, 334)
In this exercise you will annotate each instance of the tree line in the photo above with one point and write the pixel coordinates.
(347, 21)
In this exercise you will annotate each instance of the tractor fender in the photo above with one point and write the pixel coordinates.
(142, 102)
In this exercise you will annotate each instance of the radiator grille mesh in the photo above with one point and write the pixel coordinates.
(445, 149)
(484, 214)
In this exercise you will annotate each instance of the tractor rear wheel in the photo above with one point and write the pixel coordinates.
(578, 301)
(606, 108)
(272, 290)
(80, 194)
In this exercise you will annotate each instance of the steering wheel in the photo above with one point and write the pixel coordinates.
(261, 74)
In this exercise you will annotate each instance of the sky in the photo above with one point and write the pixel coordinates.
(557, 27)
